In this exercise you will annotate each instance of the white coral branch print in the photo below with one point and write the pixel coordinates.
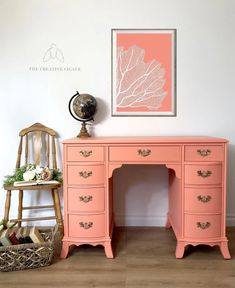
(139, 84)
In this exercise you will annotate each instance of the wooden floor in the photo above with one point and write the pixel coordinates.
(144, 258)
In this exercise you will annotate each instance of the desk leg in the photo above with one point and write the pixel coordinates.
(224, 250)
(179, 252)
(108, 249)
(64, 250)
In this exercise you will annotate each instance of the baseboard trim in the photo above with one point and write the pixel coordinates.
(140, 221)
(230, 220)
(158, 221)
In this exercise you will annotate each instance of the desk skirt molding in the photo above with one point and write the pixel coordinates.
(175, 167)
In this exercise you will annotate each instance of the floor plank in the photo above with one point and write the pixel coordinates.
(144, 258)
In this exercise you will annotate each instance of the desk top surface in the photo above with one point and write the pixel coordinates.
(146, 139)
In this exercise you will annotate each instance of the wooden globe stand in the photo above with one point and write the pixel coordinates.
(83, 132)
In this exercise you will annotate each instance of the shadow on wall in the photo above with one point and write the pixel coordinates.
(140, 195)
(101, 115)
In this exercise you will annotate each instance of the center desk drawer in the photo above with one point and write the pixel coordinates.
(85, 174)
(84, 153)
(145, 153)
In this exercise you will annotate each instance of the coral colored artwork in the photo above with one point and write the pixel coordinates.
(143, 73)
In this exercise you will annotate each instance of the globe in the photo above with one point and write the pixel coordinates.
(83, 108)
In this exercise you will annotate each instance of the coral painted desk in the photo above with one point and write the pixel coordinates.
(197, 187)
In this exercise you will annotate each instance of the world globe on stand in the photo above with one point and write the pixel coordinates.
(83, 108)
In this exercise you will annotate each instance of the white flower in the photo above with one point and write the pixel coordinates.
(29, 175)
(38, 169)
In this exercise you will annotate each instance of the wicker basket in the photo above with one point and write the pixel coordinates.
(27, 256)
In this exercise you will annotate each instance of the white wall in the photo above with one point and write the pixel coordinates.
(81, 29)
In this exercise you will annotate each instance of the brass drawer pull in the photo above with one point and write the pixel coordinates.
(85, 174)
(85, 153)
(204, 198)
(85, 199)
(204, 152)
(203, 173)
(144, 152)
(86, 225)
(203, 225)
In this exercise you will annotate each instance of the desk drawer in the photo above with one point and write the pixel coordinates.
(86, 200)
(145, 153)
(207, 200)
(84, 153)
(203, 174)
(86, 225)
(204, 153)
(202, 226)
(85, 174)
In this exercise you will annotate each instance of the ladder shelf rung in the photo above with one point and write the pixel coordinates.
(38, 207)
(34, 219)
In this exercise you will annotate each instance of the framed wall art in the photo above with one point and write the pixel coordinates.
(143, 72)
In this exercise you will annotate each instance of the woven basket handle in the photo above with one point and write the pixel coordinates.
(54, 231)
